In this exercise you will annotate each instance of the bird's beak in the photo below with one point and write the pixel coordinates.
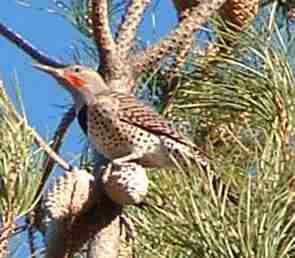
(63, 76)
(55, 72)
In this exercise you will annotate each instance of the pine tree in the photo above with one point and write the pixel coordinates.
(233, 98)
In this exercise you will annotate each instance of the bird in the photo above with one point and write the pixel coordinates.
(121, 127)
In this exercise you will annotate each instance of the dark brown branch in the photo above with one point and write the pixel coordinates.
(57, 141)
(28, 48)
(128, 28)
(179, 38)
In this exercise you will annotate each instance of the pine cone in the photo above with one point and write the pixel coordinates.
(236, 12)
(70, 195)
(127, 184)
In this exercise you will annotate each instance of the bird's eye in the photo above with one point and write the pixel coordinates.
(77, 69)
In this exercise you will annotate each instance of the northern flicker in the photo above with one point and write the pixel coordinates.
(121, 127)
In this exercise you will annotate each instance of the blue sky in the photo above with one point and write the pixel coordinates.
(56, 36)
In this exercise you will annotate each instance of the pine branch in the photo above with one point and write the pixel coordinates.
(128, 28)
(102, 30)
(179, 38)
(112, 67)
(16, 170)
(28, 48)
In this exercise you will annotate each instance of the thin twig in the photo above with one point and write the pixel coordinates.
(50, 152)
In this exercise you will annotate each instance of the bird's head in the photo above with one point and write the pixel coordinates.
(82, 82)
